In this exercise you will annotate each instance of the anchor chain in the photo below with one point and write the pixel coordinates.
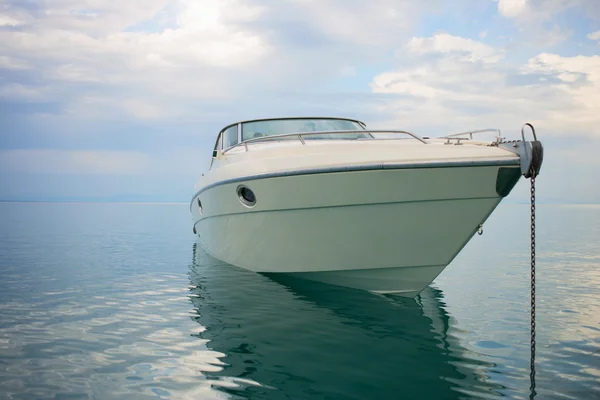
(535, 162)
(532, 364)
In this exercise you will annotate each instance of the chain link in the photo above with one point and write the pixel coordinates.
(532, 366)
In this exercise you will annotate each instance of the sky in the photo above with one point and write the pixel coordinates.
(107, 100)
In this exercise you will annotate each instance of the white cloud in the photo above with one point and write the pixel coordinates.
(430, 78)
(544, 10)
(7, 21)
(190, 45)
(455, 93)
(462, 48)
(512, 8)
(79, 162)
(182, 51)
(594, 35)
(94, 17)
(86, 43)
(584, 97)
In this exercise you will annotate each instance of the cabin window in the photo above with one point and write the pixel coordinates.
(231, 136)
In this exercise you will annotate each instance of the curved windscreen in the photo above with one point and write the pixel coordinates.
(257, 129)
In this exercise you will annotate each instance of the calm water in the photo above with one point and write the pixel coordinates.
(115, 301)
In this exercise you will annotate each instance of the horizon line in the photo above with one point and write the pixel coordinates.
(187, 202)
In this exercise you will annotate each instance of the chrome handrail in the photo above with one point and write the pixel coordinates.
(300, 136)
(470, 133)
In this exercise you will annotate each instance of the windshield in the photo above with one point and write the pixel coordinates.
(282, 126)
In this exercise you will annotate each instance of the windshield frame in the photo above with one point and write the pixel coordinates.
(240, 124)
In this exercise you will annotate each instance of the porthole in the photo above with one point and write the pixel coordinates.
(200, 206)
(246, 196)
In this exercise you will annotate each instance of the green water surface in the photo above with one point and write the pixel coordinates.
(117, 301)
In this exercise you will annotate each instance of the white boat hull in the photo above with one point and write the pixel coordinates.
(382, 230)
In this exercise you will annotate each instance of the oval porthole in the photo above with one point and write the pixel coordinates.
(246, 196)
(200, 206)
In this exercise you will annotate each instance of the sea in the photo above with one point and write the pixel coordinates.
(118, 301)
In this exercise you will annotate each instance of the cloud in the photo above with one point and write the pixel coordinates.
(512, 8)
(467, 86)
(91, 16)
(105, 45)
(454, 46)
(175, 52)
(578, 79)
(544, 10)
(73, 162)
(594, 36)
(6, 21)
(537, 22)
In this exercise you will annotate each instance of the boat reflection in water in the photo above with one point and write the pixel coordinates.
(285, 337)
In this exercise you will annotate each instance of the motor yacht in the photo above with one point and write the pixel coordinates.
(330, 200)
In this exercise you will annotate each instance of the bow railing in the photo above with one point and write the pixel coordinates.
(301, 136)
(470, 133)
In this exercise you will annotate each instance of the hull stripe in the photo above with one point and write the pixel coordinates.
(341, 206)
(367, 167)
